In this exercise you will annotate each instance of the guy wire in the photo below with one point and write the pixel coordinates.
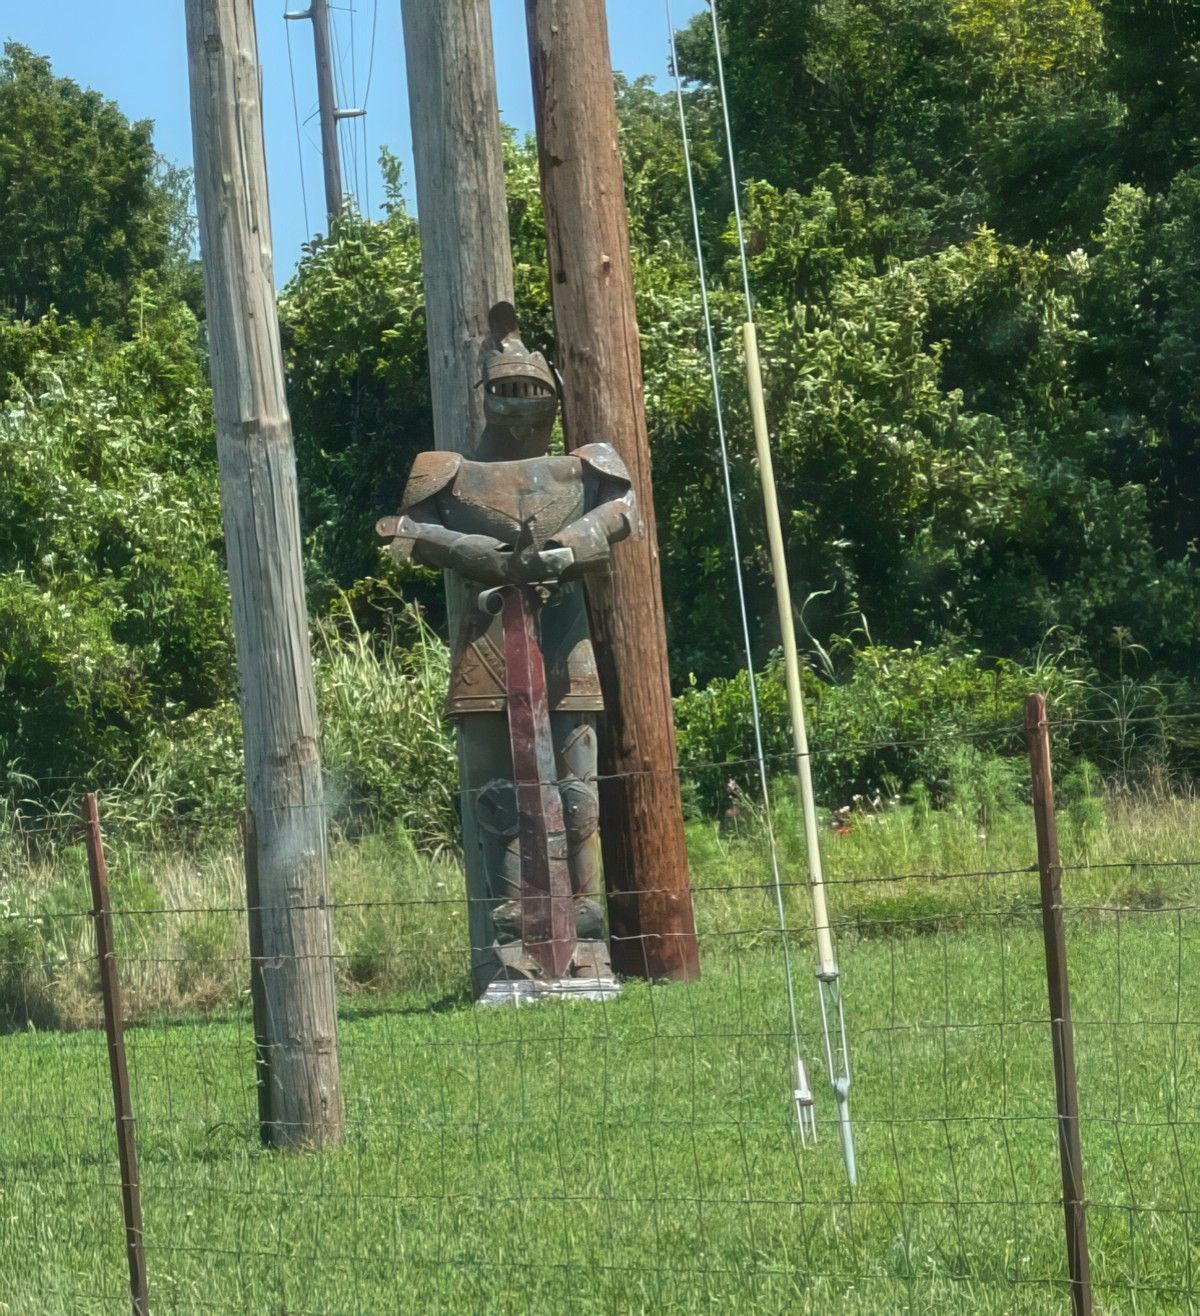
(365, 105)
(828, 979)
(739, 575)
(733, 176)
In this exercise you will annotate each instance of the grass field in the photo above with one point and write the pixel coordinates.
(641, 1155)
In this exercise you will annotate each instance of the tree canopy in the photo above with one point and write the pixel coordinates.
(973, 229)
(83, 212)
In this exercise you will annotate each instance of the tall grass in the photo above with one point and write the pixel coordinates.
(387, 750)
(387, 753)
(399, 926)
(400, 912)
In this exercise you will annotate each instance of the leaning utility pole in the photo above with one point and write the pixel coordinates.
(458, 163)
(327, 109)
(257, 467)
(591, 280)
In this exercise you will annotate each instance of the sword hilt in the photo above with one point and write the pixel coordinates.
(491, 601)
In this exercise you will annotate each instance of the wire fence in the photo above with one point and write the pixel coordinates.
(634, 1153)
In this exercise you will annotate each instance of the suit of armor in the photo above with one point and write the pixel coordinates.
(514, 514)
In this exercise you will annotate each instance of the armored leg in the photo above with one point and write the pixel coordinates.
(487, 772)
(575, 749)
(487, 762)
(489, 756)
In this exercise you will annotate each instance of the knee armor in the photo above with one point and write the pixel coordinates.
(500, 825)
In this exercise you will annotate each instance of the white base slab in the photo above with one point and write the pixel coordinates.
(527, 991)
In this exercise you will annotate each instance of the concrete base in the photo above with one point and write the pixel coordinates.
(526, 991)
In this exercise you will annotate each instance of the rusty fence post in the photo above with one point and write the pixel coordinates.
(1070, 1150)
(114, 1028)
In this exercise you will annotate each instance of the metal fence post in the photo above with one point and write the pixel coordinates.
(114, 1027)
(1054, 934)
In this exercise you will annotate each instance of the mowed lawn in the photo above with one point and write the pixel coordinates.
(642, 1155)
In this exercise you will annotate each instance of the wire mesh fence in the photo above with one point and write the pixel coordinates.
(635, 1153)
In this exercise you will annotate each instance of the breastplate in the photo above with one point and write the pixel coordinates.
(499, 498)
(545, 494)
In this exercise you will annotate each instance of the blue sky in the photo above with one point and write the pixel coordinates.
(134, 52)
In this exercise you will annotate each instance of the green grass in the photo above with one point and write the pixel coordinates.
(883, 875)
(641, 1155)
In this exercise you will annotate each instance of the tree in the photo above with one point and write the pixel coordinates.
(114, 614)
(81, 213)
(352, 322)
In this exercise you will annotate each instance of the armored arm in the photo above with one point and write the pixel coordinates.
(611, 516)
(478, 557)
(419, 534)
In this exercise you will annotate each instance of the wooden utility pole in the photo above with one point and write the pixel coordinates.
(327, 111)
(591, 280)
(458, 165)
(257, 468)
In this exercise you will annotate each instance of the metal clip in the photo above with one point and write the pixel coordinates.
(802, 1095)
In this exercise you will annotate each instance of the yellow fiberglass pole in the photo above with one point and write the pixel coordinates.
(827, 969)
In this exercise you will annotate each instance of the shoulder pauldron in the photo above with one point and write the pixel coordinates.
(431, 472)
(603, 458)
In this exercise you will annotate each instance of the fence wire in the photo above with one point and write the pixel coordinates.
(631, 1154)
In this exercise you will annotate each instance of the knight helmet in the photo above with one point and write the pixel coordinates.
(520, 390)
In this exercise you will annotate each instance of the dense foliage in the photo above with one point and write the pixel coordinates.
(971, 242)
(973, 229)
(113, 605)
(85, 210)
(354, 338)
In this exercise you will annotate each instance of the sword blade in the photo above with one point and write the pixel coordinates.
(547, 903)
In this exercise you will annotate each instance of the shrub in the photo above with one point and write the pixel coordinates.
(388, 755)
(113, 604)
(387, 751)
(897, 718)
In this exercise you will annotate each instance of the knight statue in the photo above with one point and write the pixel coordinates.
(521, 529)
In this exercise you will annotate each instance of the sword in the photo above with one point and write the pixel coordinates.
(547, 902)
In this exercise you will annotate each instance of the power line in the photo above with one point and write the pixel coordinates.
(350, 136)
(339, 84)
(366, 100)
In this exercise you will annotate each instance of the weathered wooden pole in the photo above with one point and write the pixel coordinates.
(591, 279)
(331, 159)
(458, 165)
(257, 467)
